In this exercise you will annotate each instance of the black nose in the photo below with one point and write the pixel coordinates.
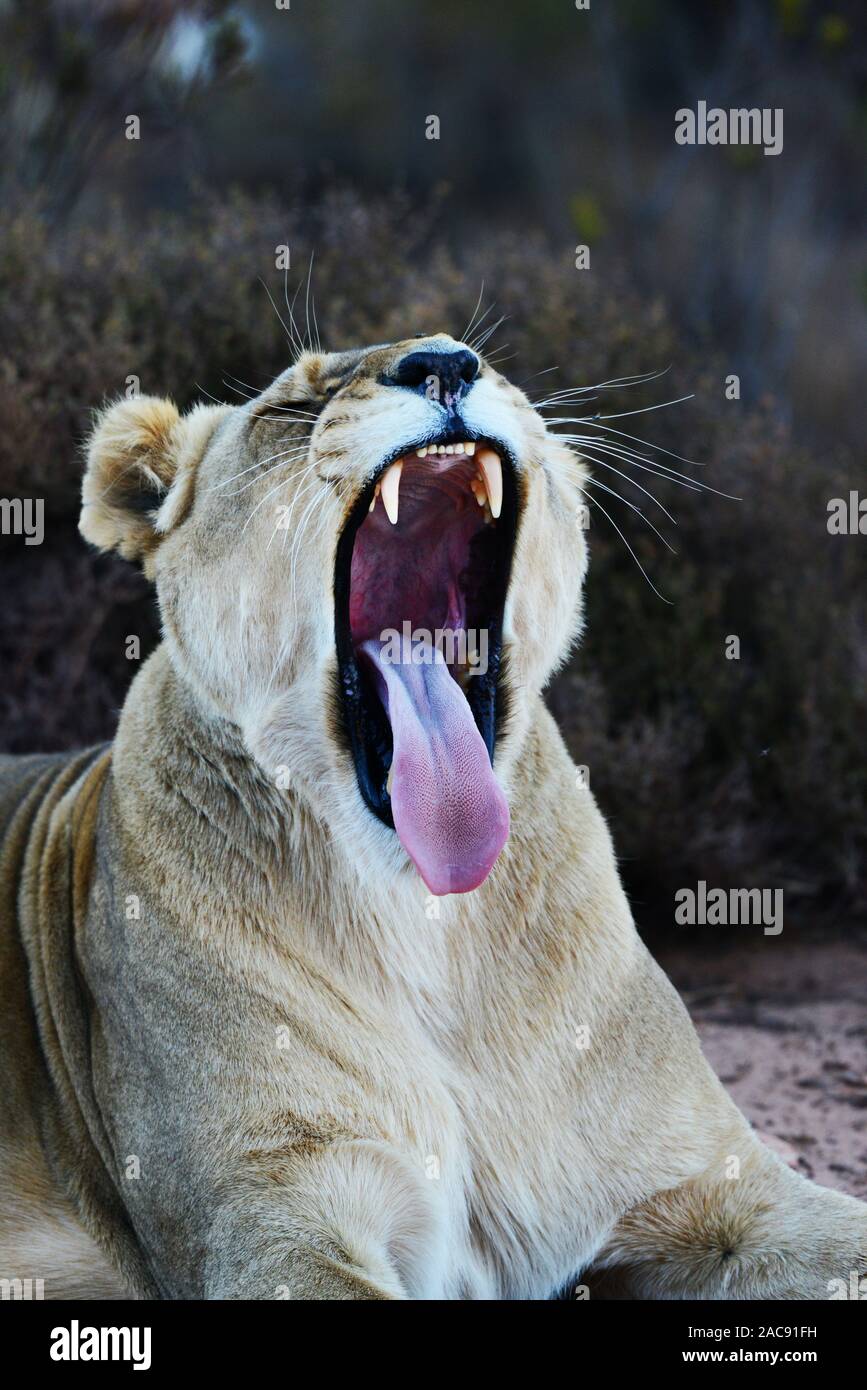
(438, 374)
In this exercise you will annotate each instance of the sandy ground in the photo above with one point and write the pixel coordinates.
(784, 1024)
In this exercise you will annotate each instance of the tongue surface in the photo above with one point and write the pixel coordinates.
(449, 810)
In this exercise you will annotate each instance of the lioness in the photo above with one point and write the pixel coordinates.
(319, 982)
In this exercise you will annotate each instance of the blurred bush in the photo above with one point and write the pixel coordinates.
(741, 772)
(551, 117)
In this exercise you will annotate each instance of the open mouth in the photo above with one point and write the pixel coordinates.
(421, 577)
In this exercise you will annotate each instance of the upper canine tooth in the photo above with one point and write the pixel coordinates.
(391, 490)
(492, 471)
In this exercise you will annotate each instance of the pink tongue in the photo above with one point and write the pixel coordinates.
(449, 810)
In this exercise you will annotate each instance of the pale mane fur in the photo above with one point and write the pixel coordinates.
(250, 1057)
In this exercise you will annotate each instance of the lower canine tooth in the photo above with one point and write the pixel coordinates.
(492, 472)
(391, 490)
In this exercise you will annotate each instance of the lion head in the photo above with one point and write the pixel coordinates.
(371, 568)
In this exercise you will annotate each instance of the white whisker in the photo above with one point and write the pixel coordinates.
(263, 500)
(661, 470)
(469, 326)
(479, 344)
(645, 443)
(594, 503)
(646, 409)
(612, 384)
(633, 481)
(296, 335)
(288, 455)
(469, 342)
(596, 482)
(210, 397)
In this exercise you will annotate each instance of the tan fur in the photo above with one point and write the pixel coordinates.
(246, 1048)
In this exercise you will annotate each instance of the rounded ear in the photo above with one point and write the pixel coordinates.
(140, 475)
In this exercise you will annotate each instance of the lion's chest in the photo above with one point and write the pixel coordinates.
(539, 1194)
(513, 1154)
(505, 1127)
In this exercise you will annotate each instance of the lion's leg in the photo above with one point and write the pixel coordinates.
(296, 1273)
(748, 1227)
(352, 1221)
(51, 1256)
(45, 1252)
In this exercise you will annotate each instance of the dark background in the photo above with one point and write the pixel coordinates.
(261, 127)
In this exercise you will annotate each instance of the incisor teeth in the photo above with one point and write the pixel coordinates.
(422, 453)
(391, 490)
(492, 472)
(477, 488)
(469, 448)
